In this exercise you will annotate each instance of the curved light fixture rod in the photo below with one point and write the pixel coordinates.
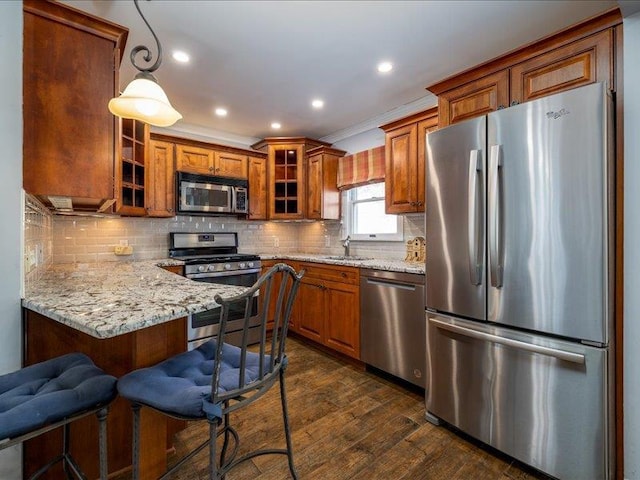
(142, 48)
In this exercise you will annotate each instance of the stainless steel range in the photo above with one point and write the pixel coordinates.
(213, 257)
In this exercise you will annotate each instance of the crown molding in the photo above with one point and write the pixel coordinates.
(418, 105)
(204, 134)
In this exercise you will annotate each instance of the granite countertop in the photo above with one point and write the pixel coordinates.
(355, 261)
(109, 299)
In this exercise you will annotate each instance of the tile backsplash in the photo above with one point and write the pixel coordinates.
(38, 239)
(92, 239)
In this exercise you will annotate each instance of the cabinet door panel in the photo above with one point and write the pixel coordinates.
(424, 127)
(342, 319)
(580, 63)
(400, 169)
(480, 97)
(160, 188)
(314, 184)
(257, 188)
(194, 159)
(230, 165)
(70, 134)
(310, 318)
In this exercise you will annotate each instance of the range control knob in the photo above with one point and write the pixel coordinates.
(250, 264)
(227, 266)
(242, 265)
(202, 268)
(212, 268)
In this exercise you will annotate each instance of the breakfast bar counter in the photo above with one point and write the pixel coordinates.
(124, 316)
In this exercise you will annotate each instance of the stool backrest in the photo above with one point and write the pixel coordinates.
(280, 285)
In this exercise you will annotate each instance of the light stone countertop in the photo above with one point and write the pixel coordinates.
(374, 263)
(109, 299)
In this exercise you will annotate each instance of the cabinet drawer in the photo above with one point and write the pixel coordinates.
(332, 273)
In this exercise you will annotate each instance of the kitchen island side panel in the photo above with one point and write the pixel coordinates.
(45, 338)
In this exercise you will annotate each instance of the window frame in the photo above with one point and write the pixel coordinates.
(349, 212)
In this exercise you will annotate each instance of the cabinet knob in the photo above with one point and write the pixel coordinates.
(211, 169)
(343, 274)
(515, 102)
(420, 204)
(501, 107)
(169, 210)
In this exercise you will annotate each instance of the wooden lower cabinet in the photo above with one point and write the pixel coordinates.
(329, 310)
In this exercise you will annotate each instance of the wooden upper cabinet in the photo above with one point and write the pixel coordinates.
(286, 181)
(425, 126)
(258, 189)
(579, 55)
(580, 63)
(287, 175)
(194, 159)
(405, 161)
(207, 161)
(401, 151)
(70, 63)
(228, 164)
(160, 188)
(323, 196)
(131, 168)
(480, 97)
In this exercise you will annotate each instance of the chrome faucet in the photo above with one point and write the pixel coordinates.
(345, 244)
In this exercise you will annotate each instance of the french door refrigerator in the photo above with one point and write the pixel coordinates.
(518, 290)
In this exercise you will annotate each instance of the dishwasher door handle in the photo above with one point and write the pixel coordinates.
(386, 283)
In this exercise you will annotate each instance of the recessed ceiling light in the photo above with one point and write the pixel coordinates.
(221, 112)
(179, 56)
(275, 125)
(317, 103)
(385, 67)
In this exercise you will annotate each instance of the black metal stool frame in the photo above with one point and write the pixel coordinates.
(68, 463)
(240, 397)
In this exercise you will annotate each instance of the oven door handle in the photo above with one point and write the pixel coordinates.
(194, 276)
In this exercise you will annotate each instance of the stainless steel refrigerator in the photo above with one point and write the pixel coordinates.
(518, 283)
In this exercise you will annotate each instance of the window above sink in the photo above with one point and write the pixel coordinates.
(365, 217)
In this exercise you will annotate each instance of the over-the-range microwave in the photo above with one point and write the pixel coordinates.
(209, 195)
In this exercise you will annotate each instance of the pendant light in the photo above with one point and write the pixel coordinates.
(144, 99)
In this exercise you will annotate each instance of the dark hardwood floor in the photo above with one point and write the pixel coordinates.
(348, 424)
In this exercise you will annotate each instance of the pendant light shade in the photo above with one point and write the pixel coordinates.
(144, 99)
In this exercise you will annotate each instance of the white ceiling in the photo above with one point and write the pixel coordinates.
(266, 60)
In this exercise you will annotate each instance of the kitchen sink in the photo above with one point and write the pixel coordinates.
(346, 257)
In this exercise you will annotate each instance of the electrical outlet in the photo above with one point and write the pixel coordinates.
(276, 242)
(124, 243)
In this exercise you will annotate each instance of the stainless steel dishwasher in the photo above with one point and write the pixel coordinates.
(392, 325)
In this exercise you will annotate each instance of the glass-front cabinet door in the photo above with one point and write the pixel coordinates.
(287, 181)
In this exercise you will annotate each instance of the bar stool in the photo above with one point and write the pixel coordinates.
(218, 378)
(54, 393)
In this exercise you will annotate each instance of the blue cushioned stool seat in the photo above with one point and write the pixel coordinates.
(50, 391)
(52, 394)
(182, 384)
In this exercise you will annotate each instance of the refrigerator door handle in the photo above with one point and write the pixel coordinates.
(495, 226)
(508, 342)
(475, 168)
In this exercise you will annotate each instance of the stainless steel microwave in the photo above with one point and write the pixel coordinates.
(209, 195)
